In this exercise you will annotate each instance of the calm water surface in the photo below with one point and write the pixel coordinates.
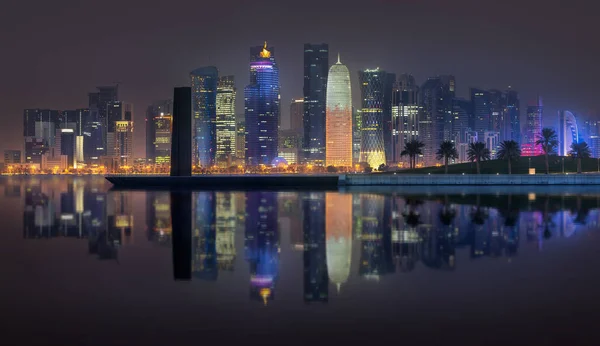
(86, 265)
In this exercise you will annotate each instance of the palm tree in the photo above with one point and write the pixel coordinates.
(447, 151)
(579, 151)
(478, 152)
(509, 151)
(412, 149)
(548, 140)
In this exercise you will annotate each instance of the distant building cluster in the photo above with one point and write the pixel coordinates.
(325, 129)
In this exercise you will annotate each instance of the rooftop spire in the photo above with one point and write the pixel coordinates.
(339, 62)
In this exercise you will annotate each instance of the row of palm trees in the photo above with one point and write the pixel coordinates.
(508, 150)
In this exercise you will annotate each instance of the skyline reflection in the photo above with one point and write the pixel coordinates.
(343, 237)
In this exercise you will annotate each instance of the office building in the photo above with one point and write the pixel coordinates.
(339, 117)
(372, 83)
(297, 116)
(123, 142)
(226, 135)
(12, 156)
(480, 100)
(492, 142)
(290, 146)
(159, 117)
(356, 134)
(181, 143)
(204, 83)
(35, 148)
(567, 132)
(513, 116)
(67, 146)
(262, 108)
(533, 129)
(389, 84)
(316, 69)
(405, 115)
(101, 119)
(435, 124)
(462, 120)
(240, 142)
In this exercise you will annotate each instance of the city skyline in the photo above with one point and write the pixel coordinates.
(551, 69)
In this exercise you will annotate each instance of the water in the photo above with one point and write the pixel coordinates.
(85, 265)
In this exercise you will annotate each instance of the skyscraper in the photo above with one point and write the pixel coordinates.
(481, 111)
(372, 84)
(339, 116)
(159, 117)
(388, 126)
(435, 124)
(405, 114)
(533, 129)
(240, 141)
(513, 115)
(297, 115)
(262, 108)
(99, 101)
(567, 132)
(462, 120)
(498, 114)
(356, 134)
(204, 97)
(226, 135)
(316, 68)
(39, 126)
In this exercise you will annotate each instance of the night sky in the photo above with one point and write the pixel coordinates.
(55, 52)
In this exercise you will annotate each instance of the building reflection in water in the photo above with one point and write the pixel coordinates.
(316, 280)
(393, 232)
(262, 244)
(338, 231)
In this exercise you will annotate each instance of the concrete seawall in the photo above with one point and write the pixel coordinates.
(473, 180)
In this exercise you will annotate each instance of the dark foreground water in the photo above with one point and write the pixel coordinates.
(83, 265)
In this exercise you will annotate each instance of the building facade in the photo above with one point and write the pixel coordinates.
(372, 82)
(435, 124)
(339, 117)
(405, 115)
(567, 132)
(204, 82)
(262, 108)
(533, 129)
(316, 69)
(226, 135)
(158, 119)
(297, 116)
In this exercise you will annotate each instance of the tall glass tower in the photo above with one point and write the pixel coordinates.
(316, 67)
(204, 98)
(339, 117)
(262, 108)
(372, 150)
(226, 135)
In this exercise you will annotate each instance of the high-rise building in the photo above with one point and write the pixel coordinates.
(339, 117)
(289, 146)
(297, 116)
(435, 124)
(94, 137)
(240, 141)
(162, 130)
(67, 146)
(498, 121)
(533, 129)
(481, 111)
(372, 84)
(356, 134)
(123, 147)
(204, 247)
(462, 119)
(567, 132)
(99, 101)
(389, 84)
(316, 68)
(204, 110)
(492, 142)
(158, 119)
(512, 116)
(226, 224)
(405, 114)
(262, 108)
(77, 121)
(12, 156)
(226, 135)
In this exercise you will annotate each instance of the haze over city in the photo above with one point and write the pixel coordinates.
(60, 51)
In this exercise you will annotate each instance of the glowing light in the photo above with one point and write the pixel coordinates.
(265, 53)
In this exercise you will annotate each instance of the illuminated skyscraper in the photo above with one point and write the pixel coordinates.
(513, 115)
(339, 116)
(435, 123)
(356, 134)
(338, 229)
(481, 111)
(240, 141)
(204, 98)
(405, 114)
(567, 132)
(533, 129)
(372, 84)
(159, 120)
(262, 107)
(226, 135)
(316, 67)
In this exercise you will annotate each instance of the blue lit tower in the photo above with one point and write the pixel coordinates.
(513, 114)
(204, 109)
(372, 150)
(316, 70)
(204, 258)
(435, 123)
(262, 107)
(262, 244)
(481, 111)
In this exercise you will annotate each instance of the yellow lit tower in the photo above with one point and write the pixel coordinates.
(338, 124)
